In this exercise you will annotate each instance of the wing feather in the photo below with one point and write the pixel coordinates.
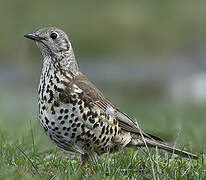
(94, 96)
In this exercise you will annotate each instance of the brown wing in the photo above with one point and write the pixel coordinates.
(94, 96)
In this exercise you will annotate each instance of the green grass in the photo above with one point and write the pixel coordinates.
(26, 153)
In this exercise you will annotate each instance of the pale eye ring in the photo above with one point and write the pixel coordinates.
(54, 35)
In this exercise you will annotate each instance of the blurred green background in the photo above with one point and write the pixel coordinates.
(148, 57)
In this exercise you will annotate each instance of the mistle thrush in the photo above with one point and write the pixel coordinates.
(74, 113)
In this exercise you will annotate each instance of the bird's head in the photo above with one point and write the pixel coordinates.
(52, 42)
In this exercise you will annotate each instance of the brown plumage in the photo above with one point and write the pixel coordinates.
(74, 113)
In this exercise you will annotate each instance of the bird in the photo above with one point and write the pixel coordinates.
(75, 114)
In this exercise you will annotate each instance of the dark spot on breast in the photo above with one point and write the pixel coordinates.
(53, 123)
(46, 120)
(111, 130)
(80, 107)
(60, 117)
(83, 127)
(66, 134)
(84, 116)
(80, 102)
(68, 129)
(61, 111)
(100, 136)
(75, 129)
(115, 130)
(57, 79)
(107, 139)
(78, 124)
(70, 121)
(59, 89)
(64, 128)
(89, 113)
(43, 107)
(74, 124)
(55, 87)
(74, 96)
(101, 123)
(62, 122)
(88, 134)
(91, 120)
(97, 142)
(103, 139)
(105, 144)
(94, 138)
(103, 129)
(66, 117)
(94, 115)
(51, 96)
(66, 111)
(76, 119)
(83, 133)
(82, 111)
(45, 98)
(114, 121)
(96, 125)
(74, 102)
(107, 130)
(45, 128)
(72, 115)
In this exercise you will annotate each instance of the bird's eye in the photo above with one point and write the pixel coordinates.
(54, 35)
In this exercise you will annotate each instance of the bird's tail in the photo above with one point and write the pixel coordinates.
(161, 145)
(151, 142)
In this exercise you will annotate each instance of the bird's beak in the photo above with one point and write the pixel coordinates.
(33, 36)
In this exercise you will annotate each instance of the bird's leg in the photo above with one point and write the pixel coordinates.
(84, 160)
